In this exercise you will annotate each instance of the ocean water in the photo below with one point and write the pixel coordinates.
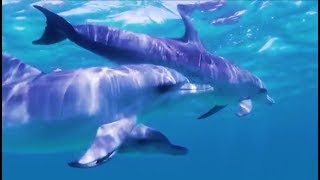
(276, 40)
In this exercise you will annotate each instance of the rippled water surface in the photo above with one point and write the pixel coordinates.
(276, 40)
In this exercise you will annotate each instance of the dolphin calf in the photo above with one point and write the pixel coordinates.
(67, 110)
(232, 85)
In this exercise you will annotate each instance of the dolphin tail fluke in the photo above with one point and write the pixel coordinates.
(146, 140)
(57, 29)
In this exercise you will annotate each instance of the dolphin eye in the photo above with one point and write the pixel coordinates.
(263, 90)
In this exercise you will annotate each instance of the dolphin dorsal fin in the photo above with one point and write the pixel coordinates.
(191, 34)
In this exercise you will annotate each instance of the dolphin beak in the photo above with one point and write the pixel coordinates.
(270, 100)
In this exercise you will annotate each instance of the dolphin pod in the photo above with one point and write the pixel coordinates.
(232, 85)
(65, 109)
(97, 108)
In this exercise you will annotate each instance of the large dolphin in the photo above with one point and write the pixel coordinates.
(232, 85)
(66, 109)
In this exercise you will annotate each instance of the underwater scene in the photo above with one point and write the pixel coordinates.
(220, 89)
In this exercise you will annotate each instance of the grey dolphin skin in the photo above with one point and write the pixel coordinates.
(65, 110)
(232, 85)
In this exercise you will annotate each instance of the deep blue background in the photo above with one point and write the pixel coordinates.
(278, 142)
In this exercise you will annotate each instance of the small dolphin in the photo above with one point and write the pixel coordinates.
(232, 85)
(64, 110)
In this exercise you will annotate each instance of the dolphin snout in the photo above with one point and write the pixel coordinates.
(270, 100)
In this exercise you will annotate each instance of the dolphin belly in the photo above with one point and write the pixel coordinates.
(48, 138)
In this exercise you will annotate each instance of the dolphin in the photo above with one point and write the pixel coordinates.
(66, 110)
(232, 84)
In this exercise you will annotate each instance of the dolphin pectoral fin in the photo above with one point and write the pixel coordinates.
(144, 139)
(211, 111)
(108, 139)
(245, 107)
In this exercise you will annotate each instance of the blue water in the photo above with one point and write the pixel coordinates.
(276, 40)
